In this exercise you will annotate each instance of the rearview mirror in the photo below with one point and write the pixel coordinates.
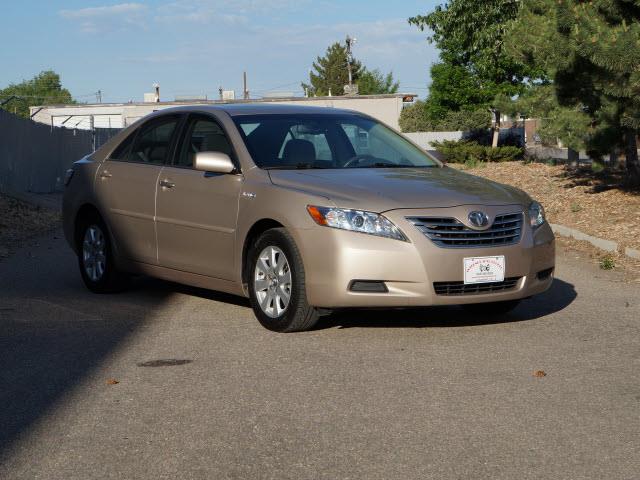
(216, 162)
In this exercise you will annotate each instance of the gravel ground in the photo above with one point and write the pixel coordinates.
(20, 220)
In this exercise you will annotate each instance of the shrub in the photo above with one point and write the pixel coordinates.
(415, 118)
(465, 121)
(471, 152)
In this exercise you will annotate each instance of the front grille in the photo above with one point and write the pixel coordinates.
(447, 232)
(459, 288)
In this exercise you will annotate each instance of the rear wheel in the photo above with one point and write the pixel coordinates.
(277, 284)
(492, 308)
(95, 258)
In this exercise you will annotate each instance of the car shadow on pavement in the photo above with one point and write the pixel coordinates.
(557, 298)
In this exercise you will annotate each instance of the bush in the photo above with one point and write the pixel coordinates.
(471, 152)
(465, 121)
(416, 119)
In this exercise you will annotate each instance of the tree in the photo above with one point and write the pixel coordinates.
(454, 88)
(43, 89)
(590, 49)
(471, 34)
(373, 82)
(331, 73)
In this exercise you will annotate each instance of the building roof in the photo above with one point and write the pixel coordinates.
(233, 102)
(236, 110)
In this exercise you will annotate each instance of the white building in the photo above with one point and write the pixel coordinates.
(385, 108)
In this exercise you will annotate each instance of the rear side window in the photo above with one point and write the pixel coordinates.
(153, 142)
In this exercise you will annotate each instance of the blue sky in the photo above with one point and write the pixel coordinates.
(195, 46)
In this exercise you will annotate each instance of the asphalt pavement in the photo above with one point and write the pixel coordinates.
(166, 381)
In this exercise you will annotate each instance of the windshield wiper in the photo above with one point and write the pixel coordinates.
(387, 165)
(299, 166)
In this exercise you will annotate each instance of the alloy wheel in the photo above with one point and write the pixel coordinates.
(94, 258)
(272, 281)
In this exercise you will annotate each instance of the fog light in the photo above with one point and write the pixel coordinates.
(368, 286)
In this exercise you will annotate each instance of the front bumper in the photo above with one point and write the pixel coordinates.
(333, 259)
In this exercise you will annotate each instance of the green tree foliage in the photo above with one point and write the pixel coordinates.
(373, 82)
(43, 89)
(470, 35)
(331, 73)
(464, 151)
(455, 88)
(415, 119)
(592, 51)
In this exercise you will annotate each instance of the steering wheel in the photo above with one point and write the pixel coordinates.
(358, 159)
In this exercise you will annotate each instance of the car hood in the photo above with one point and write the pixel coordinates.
(381, 190)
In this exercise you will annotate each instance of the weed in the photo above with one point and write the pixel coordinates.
(607, 263)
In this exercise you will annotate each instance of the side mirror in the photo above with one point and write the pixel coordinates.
(216, 162)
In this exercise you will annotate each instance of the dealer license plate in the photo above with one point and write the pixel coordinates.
(484, 270)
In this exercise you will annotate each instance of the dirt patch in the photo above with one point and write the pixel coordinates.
(619, 267)
(20, 221)
(578, 198)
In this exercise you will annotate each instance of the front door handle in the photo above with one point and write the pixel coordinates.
(167, 184)
(105, 174)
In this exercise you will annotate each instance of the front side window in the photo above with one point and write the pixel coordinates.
(203, 134)
(122, 151)
(336, 141)
(153, 142)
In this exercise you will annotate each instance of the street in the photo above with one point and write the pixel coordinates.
(167, 381)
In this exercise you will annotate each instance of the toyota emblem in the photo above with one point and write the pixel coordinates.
(478, 219)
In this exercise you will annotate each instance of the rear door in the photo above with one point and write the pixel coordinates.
(126, 187)
(197, 211)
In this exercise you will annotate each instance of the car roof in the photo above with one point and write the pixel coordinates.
(239, 109)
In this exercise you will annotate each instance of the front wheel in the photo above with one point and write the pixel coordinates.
(277, 288)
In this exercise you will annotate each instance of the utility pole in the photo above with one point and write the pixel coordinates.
(245, 93)
(350, 42)
(220, 90)
(350, 89)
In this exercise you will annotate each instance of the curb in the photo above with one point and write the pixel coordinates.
(602, 244)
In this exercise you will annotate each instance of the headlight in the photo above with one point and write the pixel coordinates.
(356, 221)
(536, 215)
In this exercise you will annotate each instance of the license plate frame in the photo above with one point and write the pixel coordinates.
(479, 270)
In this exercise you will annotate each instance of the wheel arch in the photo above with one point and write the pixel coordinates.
(86, 211)
(257, 229)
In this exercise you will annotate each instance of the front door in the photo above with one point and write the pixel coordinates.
(197, 211)
(126, 188)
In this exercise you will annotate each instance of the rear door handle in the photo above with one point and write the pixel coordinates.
(167, 184)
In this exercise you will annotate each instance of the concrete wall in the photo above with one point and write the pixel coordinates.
(425, 139)
(34, 157)
(385, 108)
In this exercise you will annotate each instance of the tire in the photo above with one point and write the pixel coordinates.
(493, 308)
(277, 289)
(95, 258)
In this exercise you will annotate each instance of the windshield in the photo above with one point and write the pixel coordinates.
(314, 141)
